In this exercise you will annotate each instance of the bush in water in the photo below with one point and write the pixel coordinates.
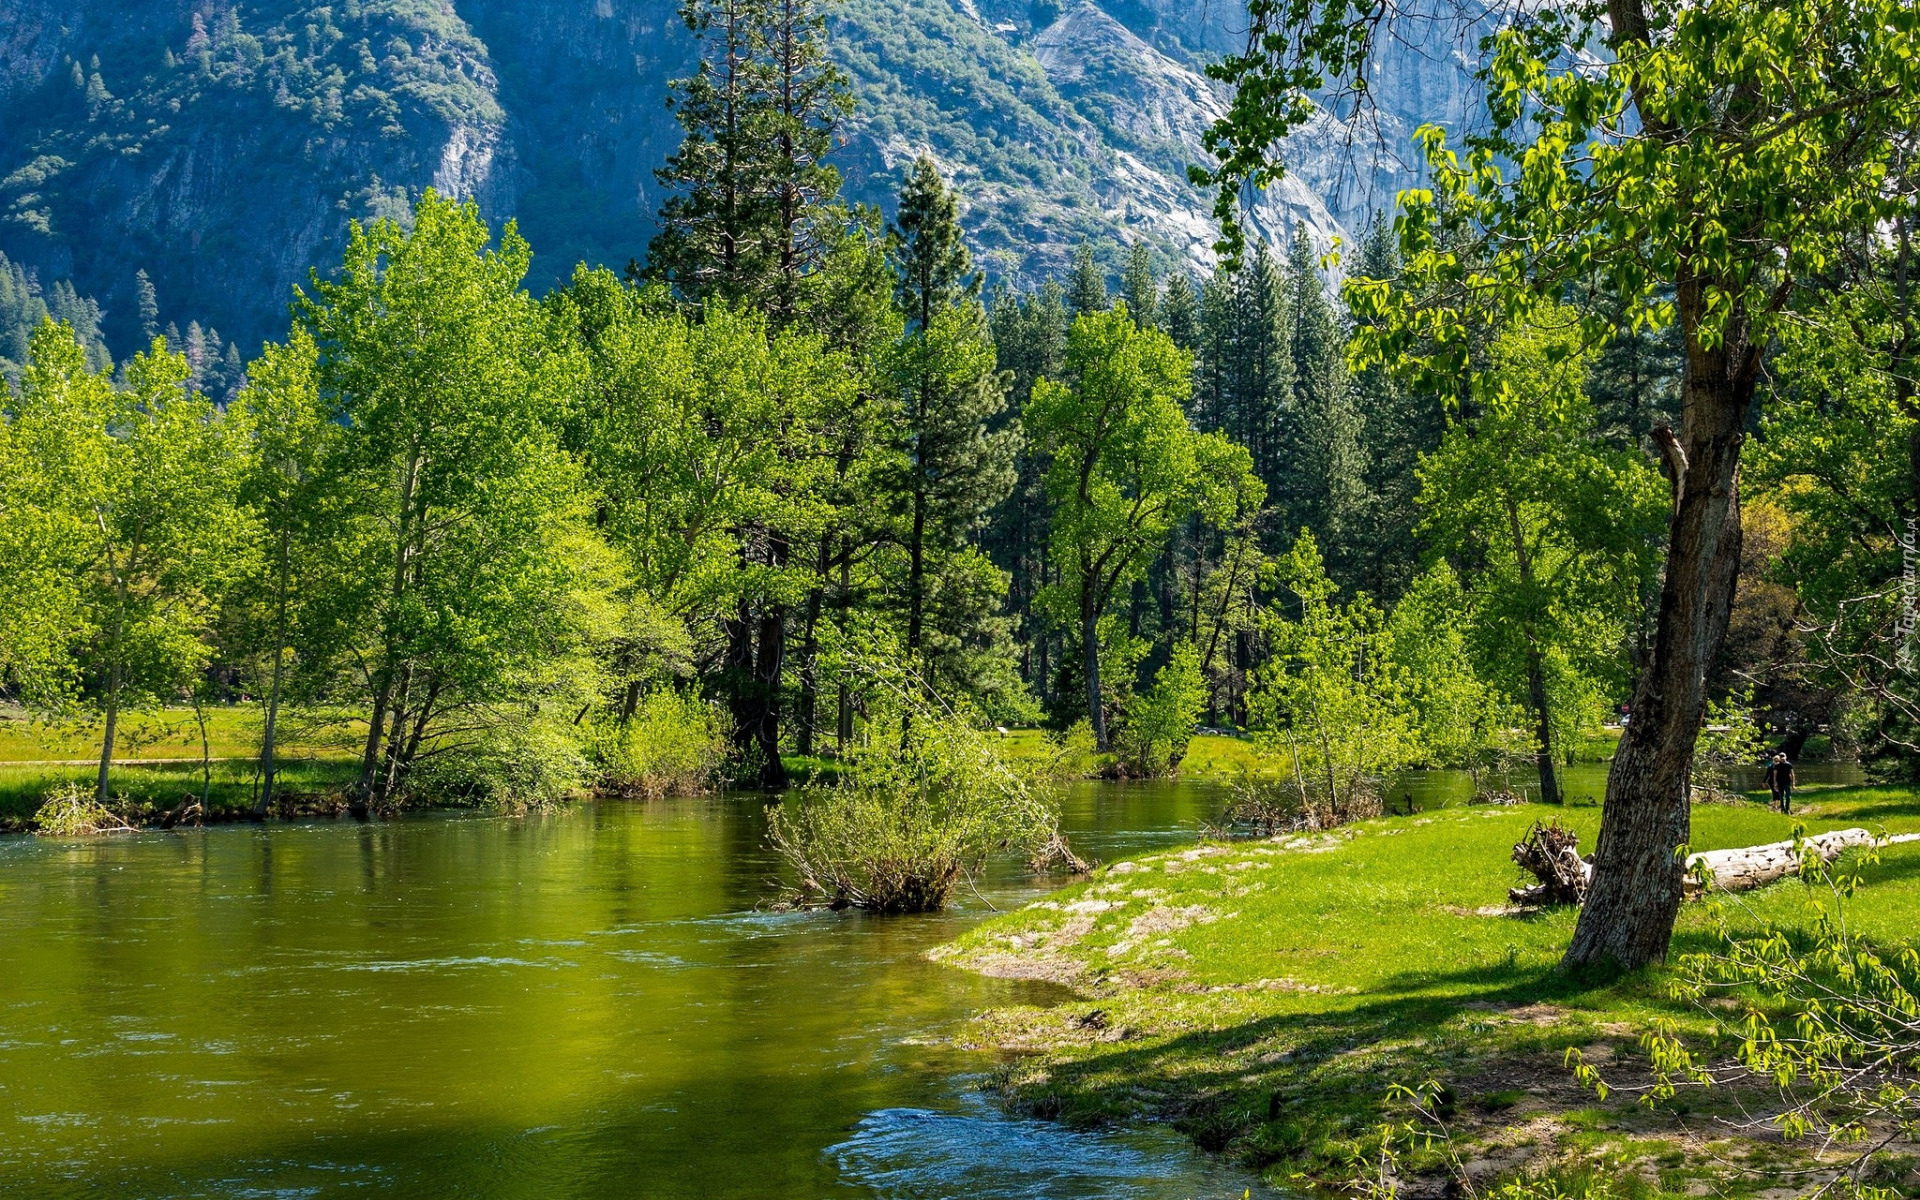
(71, 811)
(915, 811)
(674, 745)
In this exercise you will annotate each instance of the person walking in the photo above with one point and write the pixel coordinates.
(1779, 779)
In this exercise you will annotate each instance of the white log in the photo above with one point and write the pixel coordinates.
(1754, 866)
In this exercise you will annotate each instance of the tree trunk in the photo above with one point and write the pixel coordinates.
(1638, 879)
(843, 716)
(370, 754)
(767, 668)
(1755, 866)
(269, 764)
(112, 726)
(810, 653)
(916, 577)
(1090, 648)
(1537, 690)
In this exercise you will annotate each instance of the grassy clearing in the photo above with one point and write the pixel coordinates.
(233, 731)
(142, 792)
(1264, 995)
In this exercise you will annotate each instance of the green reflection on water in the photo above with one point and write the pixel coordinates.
(587, 1004)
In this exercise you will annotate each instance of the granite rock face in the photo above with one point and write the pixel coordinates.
(224, 148)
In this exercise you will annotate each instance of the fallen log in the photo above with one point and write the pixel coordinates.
(1755, 866)
(1548, 851)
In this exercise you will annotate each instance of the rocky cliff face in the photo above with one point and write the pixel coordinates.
(224, 148)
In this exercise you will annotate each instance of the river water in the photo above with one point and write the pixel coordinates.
(586, 1005)
(583, 1005)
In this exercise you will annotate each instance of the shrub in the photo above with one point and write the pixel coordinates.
(674, 745)
(72, 811)
(1294, 805)
(513, 765)
(912, 814)
(1159, 723)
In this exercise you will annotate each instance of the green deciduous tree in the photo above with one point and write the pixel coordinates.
(1724, 164)
(471, 590)
(1332, 702)
(143, 479)
(1557, 530)
(1124, 468)
(711, 446)
(290, 489)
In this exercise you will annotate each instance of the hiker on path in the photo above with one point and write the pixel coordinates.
(1780, 782)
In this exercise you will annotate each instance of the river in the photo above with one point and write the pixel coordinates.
(583, 1005)
(586, 1004)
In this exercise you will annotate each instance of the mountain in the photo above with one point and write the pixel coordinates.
(222, 148)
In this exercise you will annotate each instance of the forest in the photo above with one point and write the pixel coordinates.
(1548, 469)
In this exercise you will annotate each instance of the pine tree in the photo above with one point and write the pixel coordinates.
(1323, 435)
(1213, 357)
(1262, 376)
(1179, 313)
(749, 181)
(1141, 288)
(809, 98)
(949, 390)
(934, 269)
(1399, 424)
(1086, 283)
(1318, 349)
(713, 230)
(149, 306)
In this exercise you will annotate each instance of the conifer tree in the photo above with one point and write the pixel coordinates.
(1399, 423)
(1086, 283)
(949, 389)
(808, 99)
(933, 269)
(1140, 288)
(1262, 372)
(1179, 315)
(712, 239)
(1213, 356)
(148, 304)
(749, 179)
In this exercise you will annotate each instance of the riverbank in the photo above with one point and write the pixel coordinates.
(1264, 996)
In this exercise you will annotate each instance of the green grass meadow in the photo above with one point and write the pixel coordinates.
(1265, 995)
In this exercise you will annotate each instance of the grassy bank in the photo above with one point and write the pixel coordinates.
(157, 759)
(1264, 995)
(142, 793)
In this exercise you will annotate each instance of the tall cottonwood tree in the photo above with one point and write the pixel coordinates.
(466, 591)
(288, 487)
(1554, 530)
(1732, 157)
(1124, 468)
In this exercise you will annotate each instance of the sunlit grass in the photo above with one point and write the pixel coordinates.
(1324, 969)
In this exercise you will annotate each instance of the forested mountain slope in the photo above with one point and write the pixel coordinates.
(222, 148)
